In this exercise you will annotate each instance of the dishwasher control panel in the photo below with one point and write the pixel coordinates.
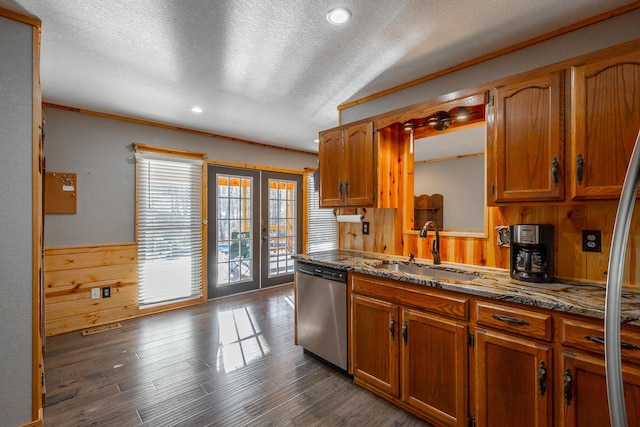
(329, 273)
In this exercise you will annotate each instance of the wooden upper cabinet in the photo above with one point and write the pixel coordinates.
(359, 165)
(605, 120)
(330, 150)
(528, 141)
(347, 166)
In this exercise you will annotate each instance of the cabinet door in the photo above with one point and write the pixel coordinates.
(605, 118)
(359, 165)
(584, 392)
(330, 162)
(528, 148)
(434, 355)
(375, 348)
(513, 381)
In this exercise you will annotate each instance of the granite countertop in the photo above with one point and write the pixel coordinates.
(582, 298)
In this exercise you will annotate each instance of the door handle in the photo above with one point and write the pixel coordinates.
(392, 328)
(404, 332)
(579, 169)
(542, 378)
(567, 386)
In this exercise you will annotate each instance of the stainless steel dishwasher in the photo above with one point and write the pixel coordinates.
(321, 312)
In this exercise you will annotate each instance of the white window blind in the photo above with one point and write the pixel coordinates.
(168, 228)
(322, 227)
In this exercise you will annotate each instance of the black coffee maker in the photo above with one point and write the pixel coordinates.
(532, 252)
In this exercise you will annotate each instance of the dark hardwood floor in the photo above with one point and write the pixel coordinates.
(230, 362)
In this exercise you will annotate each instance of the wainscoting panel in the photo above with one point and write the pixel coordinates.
(70, 274)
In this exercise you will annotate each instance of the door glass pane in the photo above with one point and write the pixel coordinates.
(235, 253)
(282, 226)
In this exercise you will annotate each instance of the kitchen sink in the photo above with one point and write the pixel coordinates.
(430, 271)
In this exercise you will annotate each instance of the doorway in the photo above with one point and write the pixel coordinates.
(255, 223)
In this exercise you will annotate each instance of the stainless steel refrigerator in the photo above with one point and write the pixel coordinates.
(613, 359)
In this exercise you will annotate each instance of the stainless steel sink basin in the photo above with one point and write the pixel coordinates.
(434, 272)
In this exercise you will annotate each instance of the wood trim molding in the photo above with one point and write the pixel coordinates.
(37, 218)
(441, 159)
(561, 31)
(20, 17)
(173, 127)
(254, 167)
(167, 151)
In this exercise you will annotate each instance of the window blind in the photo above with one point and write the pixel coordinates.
(322, 227)
(168, 228)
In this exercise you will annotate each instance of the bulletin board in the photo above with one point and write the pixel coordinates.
(60, 190)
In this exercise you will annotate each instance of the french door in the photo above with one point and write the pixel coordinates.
(254, 228)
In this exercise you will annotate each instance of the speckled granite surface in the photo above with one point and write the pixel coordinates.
(579, 298)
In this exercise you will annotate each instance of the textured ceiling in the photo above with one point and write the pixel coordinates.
(270, 71)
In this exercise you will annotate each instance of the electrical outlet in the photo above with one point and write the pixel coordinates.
(95, 293)
(591, 240)
(365, 228)
(106, 292)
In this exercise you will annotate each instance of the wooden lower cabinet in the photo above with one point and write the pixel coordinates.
(434, 366)
(416, 359)
(460, 361)
(374, 345)
(584, 391)
(513, 381)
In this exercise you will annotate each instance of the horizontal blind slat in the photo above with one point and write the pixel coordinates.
(169, 228)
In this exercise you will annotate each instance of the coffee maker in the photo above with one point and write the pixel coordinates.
(532, 252)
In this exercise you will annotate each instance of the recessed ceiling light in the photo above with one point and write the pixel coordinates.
(196, 109)
(338, 16)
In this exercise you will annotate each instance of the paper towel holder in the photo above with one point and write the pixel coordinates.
(352, 211)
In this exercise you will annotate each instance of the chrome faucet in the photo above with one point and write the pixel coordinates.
(435, 248)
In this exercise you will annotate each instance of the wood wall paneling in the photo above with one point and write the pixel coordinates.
(71, 273)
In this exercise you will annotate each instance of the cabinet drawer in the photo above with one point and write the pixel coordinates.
(523, 322)
(590, 337)
(412, 296)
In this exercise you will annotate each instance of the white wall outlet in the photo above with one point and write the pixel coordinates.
(95, 293)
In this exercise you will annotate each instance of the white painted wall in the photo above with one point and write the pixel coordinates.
(99, 151)
(15, 222)
(605, 34)
(461, 182)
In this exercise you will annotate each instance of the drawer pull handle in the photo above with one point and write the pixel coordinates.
(600, 340)
(392, 328)
(542, 378)
(509, 319)
(567, 386)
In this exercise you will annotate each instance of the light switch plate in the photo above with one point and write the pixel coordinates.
(95, 293)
